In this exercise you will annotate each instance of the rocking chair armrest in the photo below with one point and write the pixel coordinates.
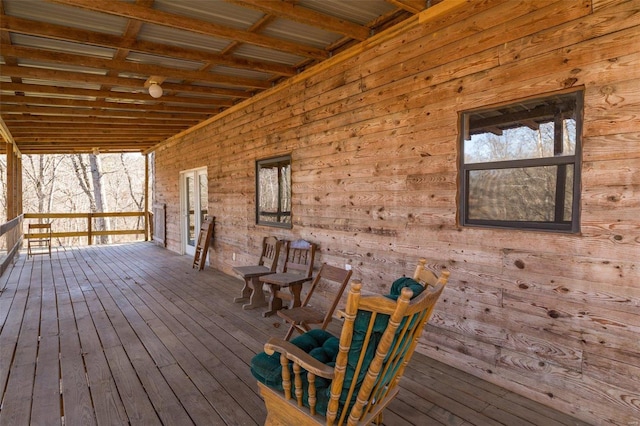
(300, 357)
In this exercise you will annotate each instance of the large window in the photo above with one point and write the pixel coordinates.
(273, 192)
(520, 164)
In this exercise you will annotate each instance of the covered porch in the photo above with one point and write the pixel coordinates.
(132, 334)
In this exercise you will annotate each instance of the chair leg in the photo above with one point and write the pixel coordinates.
(275, 301)
(257, 299)
(296, 291)
(290, 332)
(245, 293)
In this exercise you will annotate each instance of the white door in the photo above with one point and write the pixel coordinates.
(193, 194)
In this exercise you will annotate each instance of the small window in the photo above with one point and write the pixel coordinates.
(520, 164)
(273, 192)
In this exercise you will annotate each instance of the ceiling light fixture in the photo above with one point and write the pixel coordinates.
(155, 90)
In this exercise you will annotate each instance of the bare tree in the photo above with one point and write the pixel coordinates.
(56, 183)
(3, 185)
(40, 174)
(139, 201)
(91, 183)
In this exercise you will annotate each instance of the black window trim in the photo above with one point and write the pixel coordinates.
(272, 161)
(572, 226)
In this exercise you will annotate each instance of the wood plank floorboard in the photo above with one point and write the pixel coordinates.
(131, 334)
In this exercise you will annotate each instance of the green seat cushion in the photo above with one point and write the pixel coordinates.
(318, 343)
(361, 325)
(400, 283)
(323, 346)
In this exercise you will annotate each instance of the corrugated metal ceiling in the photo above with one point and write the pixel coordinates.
(207, 55)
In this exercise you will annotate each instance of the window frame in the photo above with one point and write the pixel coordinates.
(280, 162)
(558, 159)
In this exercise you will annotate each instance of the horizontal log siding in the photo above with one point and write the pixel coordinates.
(373, 140)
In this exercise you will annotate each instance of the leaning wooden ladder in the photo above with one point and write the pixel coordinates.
(202, 246)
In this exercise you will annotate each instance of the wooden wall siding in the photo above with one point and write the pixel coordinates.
(373, 139)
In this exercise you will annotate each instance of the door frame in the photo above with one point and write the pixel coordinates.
(185, 248)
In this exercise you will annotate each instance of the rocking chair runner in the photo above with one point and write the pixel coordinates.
(350, 380)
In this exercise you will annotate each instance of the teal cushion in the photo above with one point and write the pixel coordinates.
(361, 325)
(404, 282)
(320, 344)
(324, 347)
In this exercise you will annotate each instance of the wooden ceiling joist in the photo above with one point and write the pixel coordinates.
(133, 11)
(130, 67)
(312, 18)
(69, 92)
(87, 112)
(137, 106)
(100, 79)
(68, 85)
(59, 32)
(88, 120)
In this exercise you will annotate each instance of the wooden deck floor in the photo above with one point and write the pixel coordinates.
(131, 334)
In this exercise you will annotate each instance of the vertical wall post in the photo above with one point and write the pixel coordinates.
(19, 208)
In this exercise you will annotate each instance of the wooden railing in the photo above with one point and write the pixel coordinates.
(91, 232)
(11, 241)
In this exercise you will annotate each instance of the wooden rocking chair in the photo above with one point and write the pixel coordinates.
(350, 380)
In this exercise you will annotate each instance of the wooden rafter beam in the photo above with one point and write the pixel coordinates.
(129, 36)
(132, 11)
(12, 119)
(305, 16)
(22, 88)
(87, 112)
(84, 144)
(89, 131)
(89, 139)
(22, 128)
(7, 136)
(75, 148)
(79, 77)
(128, 66)
(58, 32)
(139, 106)
(413, 6)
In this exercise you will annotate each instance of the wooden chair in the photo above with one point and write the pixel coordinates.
(40, 238)
(301, 317)
(298, 269)
(319, 379)
(267, 264)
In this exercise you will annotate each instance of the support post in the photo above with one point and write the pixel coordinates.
(19, 209)
(14, 188)
(11, 183)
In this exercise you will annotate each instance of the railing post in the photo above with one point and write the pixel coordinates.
(89, 222)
